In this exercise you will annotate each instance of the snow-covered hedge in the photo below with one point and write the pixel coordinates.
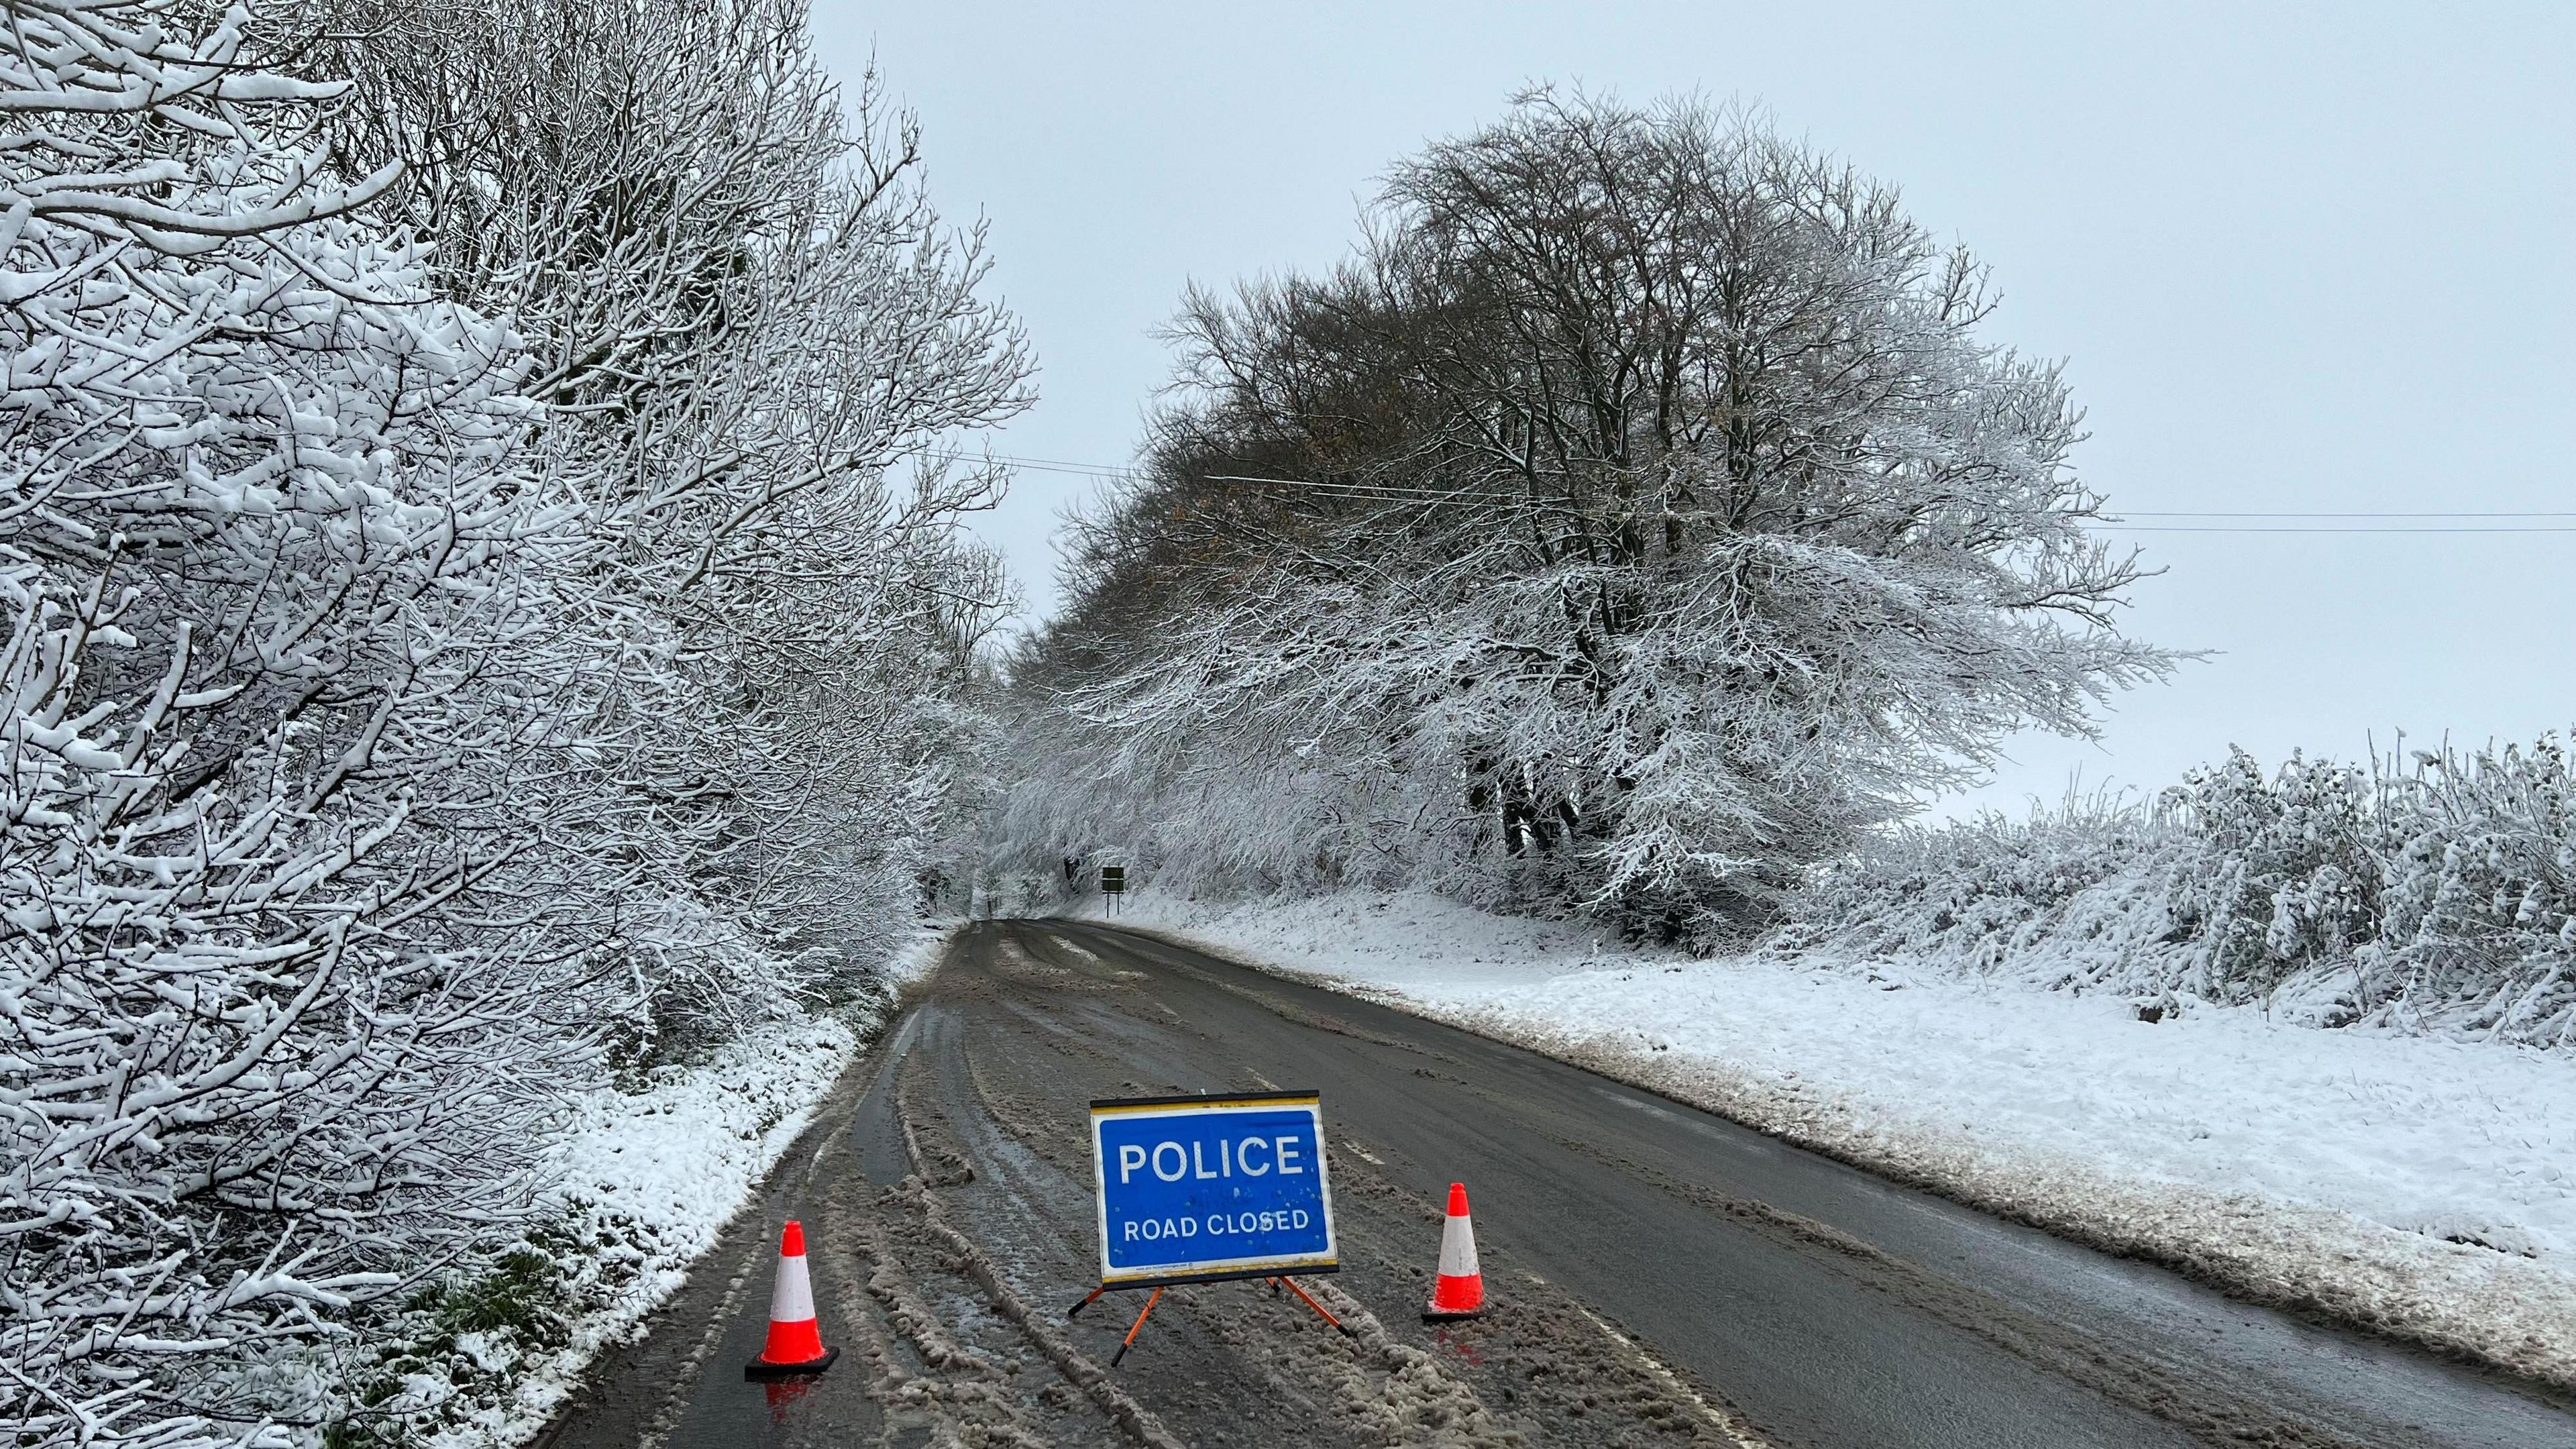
(2433, 895)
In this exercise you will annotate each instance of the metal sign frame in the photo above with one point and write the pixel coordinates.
(1213, 1270)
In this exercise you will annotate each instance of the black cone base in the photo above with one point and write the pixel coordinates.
(761, 1368)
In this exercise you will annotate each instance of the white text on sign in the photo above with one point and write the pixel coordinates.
(1257, 1156)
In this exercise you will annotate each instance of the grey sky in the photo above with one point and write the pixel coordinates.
(2316, 258)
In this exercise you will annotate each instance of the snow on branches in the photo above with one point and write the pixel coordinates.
(443, 647)
(258, 509)
(1639, 517)
(756, 340)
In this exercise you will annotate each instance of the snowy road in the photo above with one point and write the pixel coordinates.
(1664, 1275)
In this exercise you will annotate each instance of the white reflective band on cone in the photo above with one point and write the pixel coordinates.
(1457, 1249)
(792, 1301)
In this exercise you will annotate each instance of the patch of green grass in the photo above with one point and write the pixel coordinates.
(524, 1299)
(519, 1298)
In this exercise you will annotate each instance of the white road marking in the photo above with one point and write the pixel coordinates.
(1727, 1423)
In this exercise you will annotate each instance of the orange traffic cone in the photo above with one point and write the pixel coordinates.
(1460, 1291)
(795, 1339)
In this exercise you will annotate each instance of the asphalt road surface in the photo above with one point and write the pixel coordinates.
(1662, 1276)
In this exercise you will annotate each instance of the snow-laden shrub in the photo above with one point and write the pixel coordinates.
(2478, 898)
(2431, 896)
(2286, 878)
(2082, 897)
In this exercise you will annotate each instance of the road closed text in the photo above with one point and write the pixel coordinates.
(1148, 1230)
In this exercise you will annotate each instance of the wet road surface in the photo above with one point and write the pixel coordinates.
(1663, 1276)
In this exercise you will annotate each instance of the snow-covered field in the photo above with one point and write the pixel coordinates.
(2422, 1185)
(659, 1173)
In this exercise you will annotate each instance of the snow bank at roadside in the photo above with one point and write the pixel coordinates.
(648, 1181)
(2423, 1187)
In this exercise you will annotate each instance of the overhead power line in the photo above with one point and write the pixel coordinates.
(2321, 513)
(2112, 527)
(1058, 465)
(2182, 520)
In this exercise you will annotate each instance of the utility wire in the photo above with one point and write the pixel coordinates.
(2437, 522)
(2108, 527)
(2324, 513)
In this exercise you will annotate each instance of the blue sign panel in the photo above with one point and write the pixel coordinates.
(1193, 1188)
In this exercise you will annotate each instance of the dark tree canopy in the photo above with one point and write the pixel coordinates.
(1637, 517)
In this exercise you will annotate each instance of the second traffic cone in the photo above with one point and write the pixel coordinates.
(1460, 1290)
(795, 1339)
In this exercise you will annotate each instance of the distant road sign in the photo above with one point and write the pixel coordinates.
(1193, 1189)
(1113, 879)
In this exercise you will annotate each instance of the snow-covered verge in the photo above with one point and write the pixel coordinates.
(641, 1184)
(2420, 1186)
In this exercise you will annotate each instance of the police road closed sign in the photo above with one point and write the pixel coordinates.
(1199, 1188)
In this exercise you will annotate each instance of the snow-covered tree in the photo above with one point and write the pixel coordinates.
(258, 566)
(481, 587)
(756, 344)
(1640, 515)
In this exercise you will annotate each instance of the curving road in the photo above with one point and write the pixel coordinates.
(1665, 1276)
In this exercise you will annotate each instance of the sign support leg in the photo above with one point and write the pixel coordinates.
(1130, 1342)
(1275, 1219)
(1318, 1307)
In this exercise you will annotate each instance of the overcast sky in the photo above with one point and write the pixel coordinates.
(2317, 259)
